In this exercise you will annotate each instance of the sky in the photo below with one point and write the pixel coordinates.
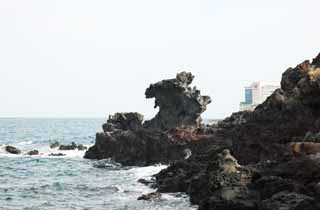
(92, 58)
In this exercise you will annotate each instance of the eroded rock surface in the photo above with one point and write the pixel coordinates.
(179, 104)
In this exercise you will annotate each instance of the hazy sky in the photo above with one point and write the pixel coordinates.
(90, 58)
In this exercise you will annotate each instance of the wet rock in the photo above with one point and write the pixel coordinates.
(123, 121)
(179, 105)
(57, 154)
(12, 150)
(150, 182)
(155, 196)
(33, 152)
(71, 146)
(54, 145)
(81, 147)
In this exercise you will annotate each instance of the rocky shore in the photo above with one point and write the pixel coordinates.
(268, 159)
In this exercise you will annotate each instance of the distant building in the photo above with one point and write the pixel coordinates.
(256, 94)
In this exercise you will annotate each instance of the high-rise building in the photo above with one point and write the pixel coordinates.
(256, 94)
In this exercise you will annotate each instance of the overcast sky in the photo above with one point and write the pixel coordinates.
(91, 58)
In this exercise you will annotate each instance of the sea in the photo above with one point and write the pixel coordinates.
(70, 182)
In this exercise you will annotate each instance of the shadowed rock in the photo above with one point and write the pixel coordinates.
(155, 196)
(33, 152)
(123, 121)
(179, 105)
(13, 150)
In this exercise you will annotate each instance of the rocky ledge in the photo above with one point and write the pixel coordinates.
(267, 159)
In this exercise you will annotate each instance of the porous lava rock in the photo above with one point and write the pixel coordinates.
(179, 104)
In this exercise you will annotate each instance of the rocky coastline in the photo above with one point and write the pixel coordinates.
(268, 159)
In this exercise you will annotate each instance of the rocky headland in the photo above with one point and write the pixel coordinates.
(268, 159)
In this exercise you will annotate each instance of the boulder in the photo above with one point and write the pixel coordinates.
(33, 152)
(71, 146)
(81, 147)
(54, 145)
(12, 150)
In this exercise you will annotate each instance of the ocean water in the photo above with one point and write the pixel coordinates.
(69, 182)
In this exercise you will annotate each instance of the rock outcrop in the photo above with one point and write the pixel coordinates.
(171, 135)
(271, 176)
(179, 105)
(249, 161)
(13, 150)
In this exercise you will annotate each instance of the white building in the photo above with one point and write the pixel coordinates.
(256, 94)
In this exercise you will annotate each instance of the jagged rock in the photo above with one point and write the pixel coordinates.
(54, 145)
(155, 196)
(71, 146)
(179, 105)
(123, 121)
(13, 150)
(33, 152)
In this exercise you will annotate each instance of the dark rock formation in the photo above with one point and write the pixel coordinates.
(171, 135)
(123, 121)
(142, 147)
(33, 152)
(71, 146)
(270, 176)
(57, 154)
(81, 147)
(155, 196)
(54, 145)
(13, 150)
(179, 105)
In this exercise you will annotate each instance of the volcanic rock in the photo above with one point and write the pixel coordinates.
(155, 196)
(33, 152)
(123, 121)
(57, 154)
(13, 150)
(179, 105)
(71, 146)
(54, 145)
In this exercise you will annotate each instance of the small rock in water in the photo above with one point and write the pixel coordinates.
(13, 150)
(54, 145)
(71, 146)
(81, 147)
(155, 196)
(8, 199)
(33, 152)
(56, 154)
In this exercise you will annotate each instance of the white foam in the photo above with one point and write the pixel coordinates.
(25, 143)
(145, 172)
